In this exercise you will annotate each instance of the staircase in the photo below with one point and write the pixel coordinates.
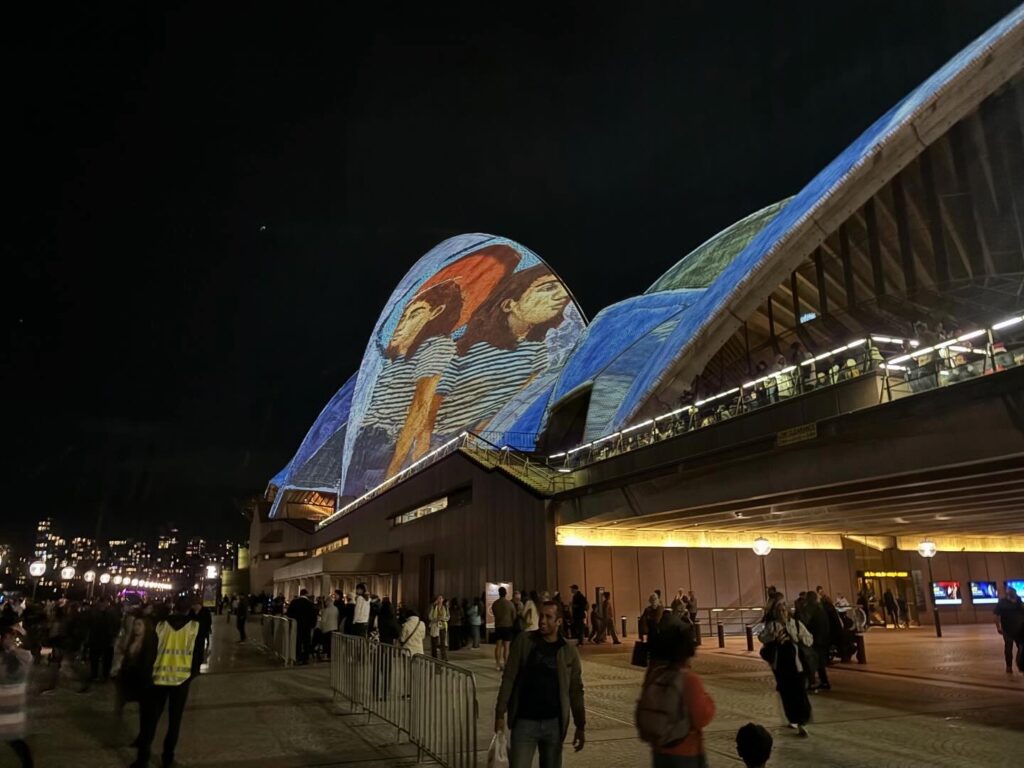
(517, 465)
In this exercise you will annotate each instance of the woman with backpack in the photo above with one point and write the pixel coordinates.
(674, 708)
(782, 637)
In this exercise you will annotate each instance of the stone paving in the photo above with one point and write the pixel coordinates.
(920, 701)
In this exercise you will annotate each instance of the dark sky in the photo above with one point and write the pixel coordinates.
(212, 203)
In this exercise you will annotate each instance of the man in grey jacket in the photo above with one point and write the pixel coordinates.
(541, 687)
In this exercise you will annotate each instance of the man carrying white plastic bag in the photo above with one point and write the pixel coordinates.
(542, 685)
(497, 755)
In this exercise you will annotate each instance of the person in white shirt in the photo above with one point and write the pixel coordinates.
(328, 624)
(414, 630)
(361, 619)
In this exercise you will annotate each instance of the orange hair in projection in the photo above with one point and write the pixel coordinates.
(476, 275)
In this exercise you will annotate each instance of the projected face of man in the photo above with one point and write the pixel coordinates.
(416, 315)
(543, 300)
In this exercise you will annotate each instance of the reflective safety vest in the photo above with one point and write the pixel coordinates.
(174, 653)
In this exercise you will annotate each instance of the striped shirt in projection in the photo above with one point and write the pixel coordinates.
(396, 384)
(475, 386)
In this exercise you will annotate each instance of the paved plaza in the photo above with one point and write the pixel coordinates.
(920, 701)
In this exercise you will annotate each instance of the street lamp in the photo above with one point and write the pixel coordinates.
(90, 579)
(762, 548)
(104, 580)
(36, 570)
(117, 579)
(927, 550)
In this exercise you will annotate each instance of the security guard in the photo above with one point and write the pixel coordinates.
(177, 643)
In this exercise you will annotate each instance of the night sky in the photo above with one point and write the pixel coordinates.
(212, 204)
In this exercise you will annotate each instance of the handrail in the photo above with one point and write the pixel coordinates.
(782, 385)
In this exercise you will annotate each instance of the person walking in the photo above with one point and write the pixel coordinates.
(892, 610)
(134, 656)
(608, 618)
(303, 612)
(504, 617)
(177, 644)
(674, 708)
(781, 636)
(204, 618)
(15, 663)
(101, 627)
(579, 613)
(361, 613)
(439, 617)
(473, 619)
(817, 624)
(456, 632)
(413, 632)
(541, 687)
(241, 615)
(1009, 613)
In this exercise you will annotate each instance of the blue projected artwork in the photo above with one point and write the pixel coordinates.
(475, 322)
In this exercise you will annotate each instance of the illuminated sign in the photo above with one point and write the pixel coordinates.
(885, 574)
(471, 325)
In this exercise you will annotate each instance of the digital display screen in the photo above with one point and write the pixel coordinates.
(984, 592)
(1017, 585)
(946, 593)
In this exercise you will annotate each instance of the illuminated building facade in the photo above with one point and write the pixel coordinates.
(837, 374)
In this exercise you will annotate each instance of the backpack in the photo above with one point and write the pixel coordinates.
(660, 716)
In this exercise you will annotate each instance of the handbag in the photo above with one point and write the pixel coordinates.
(769, 652)
(641, 654)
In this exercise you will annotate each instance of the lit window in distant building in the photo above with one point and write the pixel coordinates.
(427, 509)
(334, 545)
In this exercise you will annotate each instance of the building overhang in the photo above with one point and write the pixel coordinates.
(341, 563)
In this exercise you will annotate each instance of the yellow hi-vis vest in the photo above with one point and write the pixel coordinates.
(174, 653)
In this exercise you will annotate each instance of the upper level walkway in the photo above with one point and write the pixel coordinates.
(919, 701)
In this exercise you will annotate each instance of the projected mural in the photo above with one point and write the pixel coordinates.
(469, 327)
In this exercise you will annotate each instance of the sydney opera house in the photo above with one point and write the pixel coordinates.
(829, 392)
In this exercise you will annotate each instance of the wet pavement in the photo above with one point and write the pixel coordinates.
(920, 701)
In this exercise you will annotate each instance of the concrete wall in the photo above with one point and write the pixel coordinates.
(720, 578)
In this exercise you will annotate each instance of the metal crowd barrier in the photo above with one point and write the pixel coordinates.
(349, 668)
(278, 636)
(444, 712)
(431, 701)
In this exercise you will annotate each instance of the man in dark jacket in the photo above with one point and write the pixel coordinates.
(816, 621)
(101, 627)
(302, 610)
(1009, 615)
(541, 687)
(204, 618)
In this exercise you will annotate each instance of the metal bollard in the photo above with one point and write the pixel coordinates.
(721, 636)
(623, 619)
(938, 623)
(862, 657)
(750, 638)
(696, 633)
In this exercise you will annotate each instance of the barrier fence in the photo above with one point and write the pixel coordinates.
(444, 712)
(278, 636)
(432, 702)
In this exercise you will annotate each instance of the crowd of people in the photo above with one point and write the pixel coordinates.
(150, 650)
